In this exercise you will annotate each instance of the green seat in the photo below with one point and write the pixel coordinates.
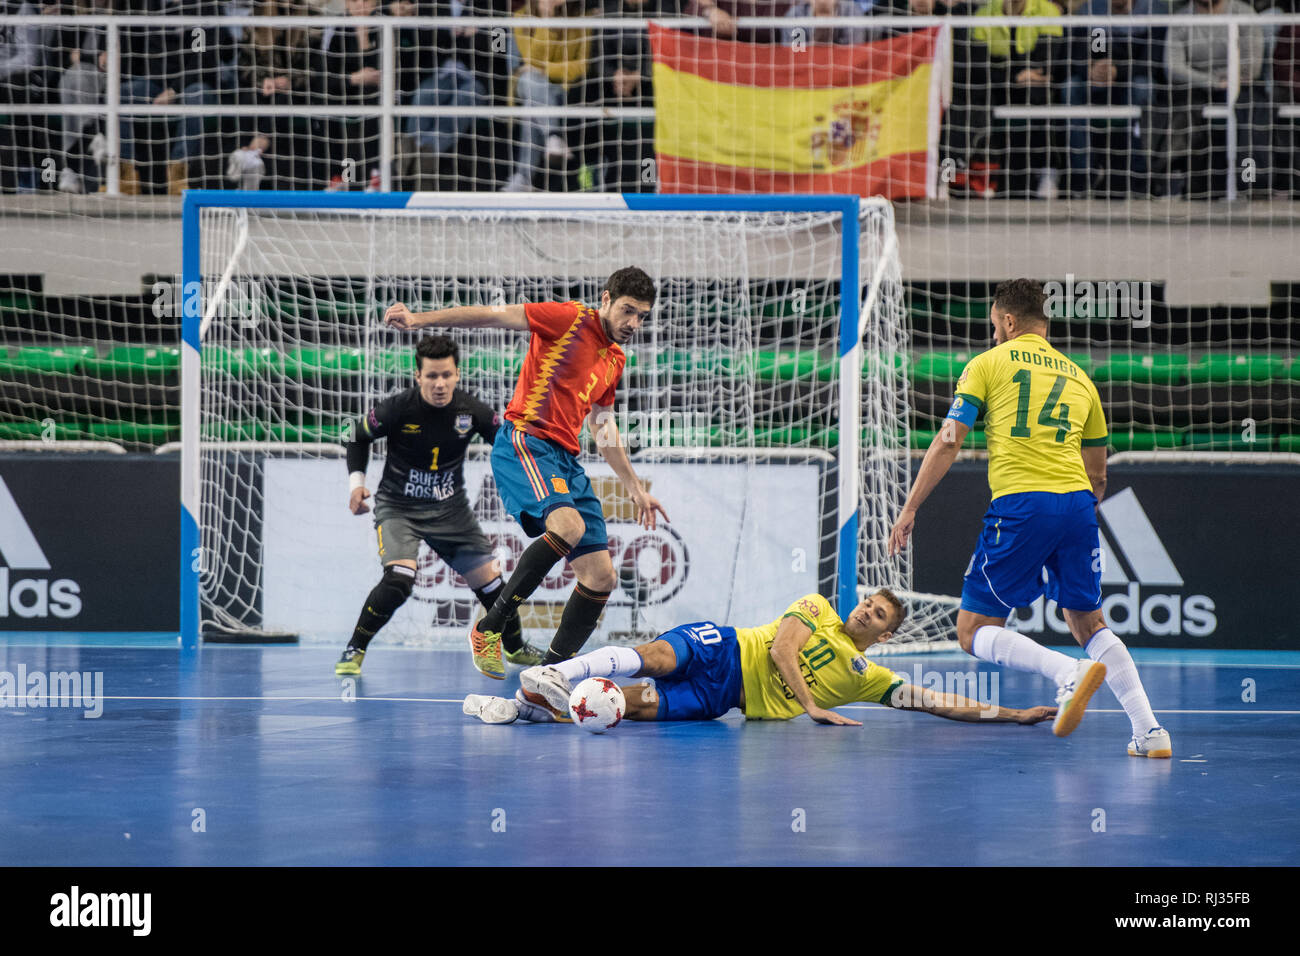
(130, 361)
(1083, 360)
(1239, 367)
(399, 363)
(709, 363)
(1144, 439)
(873, 365)
(923, 437)
(326, 363)
(309, 432)
(40, 360)
(40, 431)
(246, 430)
(967, 308)
(492, 362)
(796, 436)
(1288, 443)
(1227, 441)
(793, 366)
(939, 367)
(134, 432)
(1138, 368)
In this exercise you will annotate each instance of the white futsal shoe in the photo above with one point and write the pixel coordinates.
(1073, 696)
(491, 710)
(548, 682)
(1154, 743)
(538, 713)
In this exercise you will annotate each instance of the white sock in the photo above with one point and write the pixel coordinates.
(1122, 678)
(606, 662)
(1006, 648)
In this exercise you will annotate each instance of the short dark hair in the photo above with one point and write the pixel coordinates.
(900, 610)
(435, 347)
(1023, 298)
(631, 282)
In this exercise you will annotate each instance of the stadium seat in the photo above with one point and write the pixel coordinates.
(134, 433)
(1227, 441)
(129, 362)
(793, 366)
(37, 360)
(1144, 438)
(941, 368)
(325, 363)
(398, 363)
(492, 362)
(1141, 368)
(1238, 368)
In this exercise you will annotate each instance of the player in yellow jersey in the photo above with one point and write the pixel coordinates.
(806, 661)
(1046, 433)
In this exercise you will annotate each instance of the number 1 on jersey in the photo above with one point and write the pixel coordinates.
(434, 466)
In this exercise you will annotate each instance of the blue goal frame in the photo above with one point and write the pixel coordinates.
(849, 344)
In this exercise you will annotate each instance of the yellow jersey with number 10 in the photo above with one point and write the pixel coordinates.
(1039, 408)
(829, 663)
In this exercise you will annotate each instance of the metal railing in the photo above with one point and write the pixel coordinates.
(388, 110)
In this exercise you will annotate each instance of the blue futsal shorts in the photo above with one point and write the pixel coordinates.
(1026, 533)
(535, 476)
(707, 681)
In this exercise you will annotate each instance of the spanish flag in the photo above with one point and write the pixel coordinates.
(797, 118)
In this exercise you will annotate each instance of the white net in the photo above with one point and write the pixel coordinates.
(730, 405)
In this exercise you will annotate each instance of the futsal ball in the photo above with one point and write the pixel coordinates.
(597, 704)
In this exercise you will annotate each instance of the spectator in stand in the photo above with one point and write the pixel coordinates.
(551, 68)
(1110, 65)
(275, 70)
(347, 73)
(79, 50)
(917, 8)
(722, 15)
(824, 35)
(26, 76)
(627, 63)
(1020, 66)
(437, 70)
(1196, 65)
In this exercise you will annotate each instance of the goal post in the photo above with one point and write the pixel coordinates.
(757, 366)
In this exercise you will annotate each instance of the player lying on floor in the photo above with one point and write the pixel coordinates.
(806, 661)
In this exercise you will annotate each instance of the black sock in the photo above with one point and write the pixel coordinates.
(534, 564)
(512, 635)
(388, 595)
(576, 624)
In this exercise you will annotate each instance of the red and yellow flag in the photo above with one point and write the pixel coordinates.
(814, 118)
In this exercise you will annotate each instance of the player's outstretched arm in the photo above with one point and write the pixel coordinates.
(938, 459)
(398, 316)
(605, 431)
(957, 707)
(790, 637)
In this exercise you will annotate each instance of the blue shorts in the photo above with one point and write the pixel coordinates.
(535, 476)
(707, 681)
(1025, 533)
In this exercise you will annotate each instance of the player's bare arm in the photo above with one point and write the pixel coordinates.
(790, 637)
(398, 316)
(957, 707)
(1094, 463)
(605, 431)
(938, 459)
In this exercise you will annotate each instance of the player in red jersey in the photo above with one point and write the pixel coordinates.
(574, 364)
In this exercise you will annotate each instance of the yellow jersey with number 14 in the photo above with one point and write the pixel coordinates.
(829, 663)
(1039, 408)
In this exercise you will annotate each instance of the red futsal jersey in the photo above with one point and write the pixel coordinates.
(571, 365)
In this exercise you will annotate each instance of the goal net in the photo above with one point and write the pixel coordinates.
(767, 414)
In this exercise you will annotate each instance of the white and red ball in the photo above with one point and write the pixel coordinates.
(597, 704)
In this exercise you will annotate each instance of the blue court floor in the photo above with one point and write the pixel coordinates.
(259, 756)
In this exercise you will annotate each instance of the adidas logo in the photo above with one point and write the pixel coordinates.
(1159, 612)
(29, 597)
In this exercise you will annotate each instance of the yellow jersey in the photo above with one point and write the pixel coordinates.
(1039, 408)
(831, 665)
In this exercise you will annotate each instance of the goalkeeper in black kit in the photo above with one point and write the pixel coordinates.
(422, 496)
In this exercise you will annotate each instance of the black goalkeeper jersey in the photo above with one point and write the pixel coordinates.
(426, 447)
